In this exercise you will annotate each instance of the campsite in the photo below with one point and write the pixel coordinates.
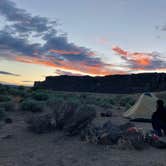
(24, 140)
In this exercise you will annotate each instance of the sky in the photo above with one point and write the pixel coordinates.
(90, 37)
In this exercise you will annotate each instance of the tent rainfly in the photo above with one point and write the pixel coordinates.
(143, 108)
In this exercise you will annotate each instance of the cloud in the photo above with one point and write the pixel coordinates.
(141, 61)
(27, 81)
(81, 67)
(18, 45)
(24, 22)
(103, 41)
(34, 39)
(8, 73)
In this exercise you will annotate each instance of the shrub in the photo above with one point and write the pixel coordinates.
(40, 96)
(64, 111)
(128, 101)
(32, 105)
(17, 91)
(8, 106)
(3, 89)
(4, 98)
(2, 113)
(81, 118)
(41, 123)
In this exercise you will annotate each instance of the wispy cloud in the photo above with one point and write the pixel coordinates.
(8, 73)
(27, 81)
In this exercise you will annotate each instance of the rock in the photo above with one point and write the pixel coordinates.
(42, 123)
(106, 114)
(132, 83)
(8, 120)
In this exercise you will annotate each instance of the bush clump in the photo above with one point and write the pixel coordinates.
(41, 123)
(81, 118)
(128, 101)
(2, 113)
(32, 105)
(40, 96)
(64, 111)
(8, 105)
(4, 98)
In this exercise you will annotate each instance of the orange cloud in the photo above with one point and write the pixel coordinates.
(81, 67)
(143, 59)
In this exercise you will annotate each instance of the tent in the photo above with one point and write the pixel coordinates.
(143, 108)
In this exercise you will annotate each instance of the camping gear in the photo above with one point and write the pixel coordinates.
(143, 108)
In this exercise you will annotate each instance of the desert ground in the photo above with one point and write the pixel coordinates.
(21, 147)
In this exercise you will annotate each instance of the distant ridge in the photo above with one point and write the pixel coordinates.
(133, 83)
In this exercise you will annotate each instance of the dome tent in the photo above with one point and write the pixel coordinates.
(143, 108)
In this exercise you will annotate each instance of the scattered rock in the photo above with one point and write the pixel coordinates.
(8, 121)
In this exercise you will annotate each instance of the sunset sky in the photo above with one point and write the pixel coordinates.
(39, 38)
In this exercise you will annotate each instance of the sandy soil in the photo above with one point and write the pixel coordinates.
(19, 147)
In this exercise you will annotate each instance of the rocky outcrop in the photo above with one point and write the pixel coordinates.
(134, 83)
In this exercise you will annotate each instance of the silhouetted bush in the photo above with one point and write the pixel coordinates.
(32, 105)
(39, 96)
(4, 98)
(127, 101)
(81, 118)
(42, 123)
(3, 89)
(64, 111)
(2, 113)
(8, 105)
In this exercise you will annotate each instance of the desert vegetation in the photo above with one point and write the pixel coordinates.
(46, 118)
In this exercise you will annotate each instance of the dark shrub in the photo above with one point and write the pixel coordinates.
(3, 89)
(4, 98)
(39, 96)
(64, 111)
(8, 105)
(42, 123)
(32, 105)
(2, 113)
(81, 118)
(127, 101)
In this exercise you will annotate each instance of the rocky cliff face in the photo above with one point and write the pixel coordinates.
(134, 83)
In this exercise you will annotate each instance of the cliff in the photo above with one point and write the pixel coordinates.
(134, 83)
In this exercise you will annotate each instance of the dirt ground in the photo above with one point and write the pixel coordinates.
(19, 147)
